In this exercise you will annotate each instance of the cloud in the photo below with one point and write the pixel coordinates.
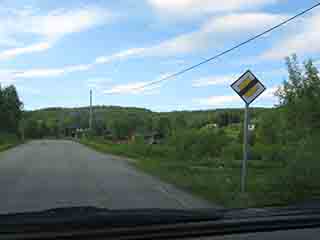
(133, 88)
(270, 93)
(37, 47)
(303, 39)
(190, 8)
(46, 29)
(213, 80)
(232, 100)
(6, 77)
(60, 22)
(215, 31)
(120, 55)
(98, 83)
(174, 62)
(218, 101)
(240, 22)
(182, 44)
(141, 87)
(50, 72)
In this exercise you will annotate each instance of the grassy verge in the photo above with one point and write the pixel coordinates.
(4, 147)
(8, 141)
(213, 179)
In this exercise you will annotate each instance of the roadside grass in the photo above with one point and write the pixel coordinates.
(4, 147)
(8, 141)
(216, 180)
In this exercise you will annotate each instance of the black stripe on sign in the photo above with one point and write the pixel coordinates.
(248, 87)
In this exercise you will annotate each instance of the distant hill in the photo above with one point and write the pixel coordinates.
(114, 112)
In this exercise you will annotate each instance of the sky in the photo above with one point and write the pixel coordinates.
(54, 52)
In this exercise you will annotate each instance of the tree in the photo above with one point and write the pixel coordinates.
(299, 100)
(10, 109)
(163, 126)
(180, 122)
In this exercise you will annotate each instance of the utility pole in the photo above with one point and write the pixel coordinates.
(245, 148)
(90, 113)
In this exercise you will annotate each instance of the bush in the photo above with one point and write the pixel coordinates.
(7, 138)
(270, 152)
(232, 152)
(195, 144)
(300, 178)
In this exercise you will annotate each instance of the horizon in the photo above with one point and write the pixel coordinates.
(133, 107)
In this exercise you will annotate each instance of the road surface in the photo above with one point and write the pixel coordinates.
(56, 173)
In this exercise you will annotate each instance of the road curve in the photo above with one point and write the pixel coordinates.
(46, 174)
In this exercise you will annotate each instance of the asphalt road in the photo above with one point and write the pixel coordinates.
(56, 173)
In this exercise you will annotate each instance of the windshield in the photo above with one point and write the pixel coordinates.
(158, 104)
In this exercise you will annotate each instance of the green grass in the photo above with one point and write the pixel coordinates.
(214, 179)
(8, 141)
(4, 147)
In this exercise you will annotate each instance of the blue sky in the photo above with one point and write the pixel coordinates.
(55, 51)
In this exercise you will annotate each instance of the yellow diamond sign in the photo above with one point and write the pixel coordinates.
(248, 87)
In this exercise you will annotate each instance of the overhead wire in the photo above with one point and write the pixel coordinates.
(187, 69)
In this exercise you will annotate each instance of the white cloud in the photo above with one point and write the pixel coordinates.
(187, 8)
(233, 100)
(184, 43)
(120, 55)
(303, 39)
(213, 80)
(46, 29)
(242, 22)
(270, 93)
(37, 47)
(215, 31)
(133, 88)
(174, 62)
(98, 83)
(60, 22)
(181, 44)
(141, 87)
(48, 72)
(218, 101)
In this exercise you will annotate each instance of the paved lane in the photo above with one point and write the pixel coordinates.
(55, 173)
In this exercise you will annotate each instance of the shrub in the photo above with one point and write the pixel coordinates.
(232, 152)
(7, 138)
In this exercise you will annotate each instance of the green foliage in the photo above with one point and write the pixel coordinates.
(10, 110)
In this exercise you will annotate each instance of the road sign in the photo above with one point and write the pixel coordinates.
(248, 87)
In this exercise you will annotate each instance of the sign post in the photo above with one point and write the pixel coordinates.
(245, 147)
(248, 87)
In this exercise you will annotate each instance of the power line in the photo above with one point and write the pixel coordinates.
(226, 51)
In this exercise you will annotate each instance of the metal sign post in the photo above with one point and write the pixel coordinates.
(245, 147)
(248, 87)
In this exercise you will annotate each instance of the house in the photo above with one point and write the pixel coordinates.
(251, 127)
(153, 138)
(71, 130)
(107, 134)
(210, 126)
